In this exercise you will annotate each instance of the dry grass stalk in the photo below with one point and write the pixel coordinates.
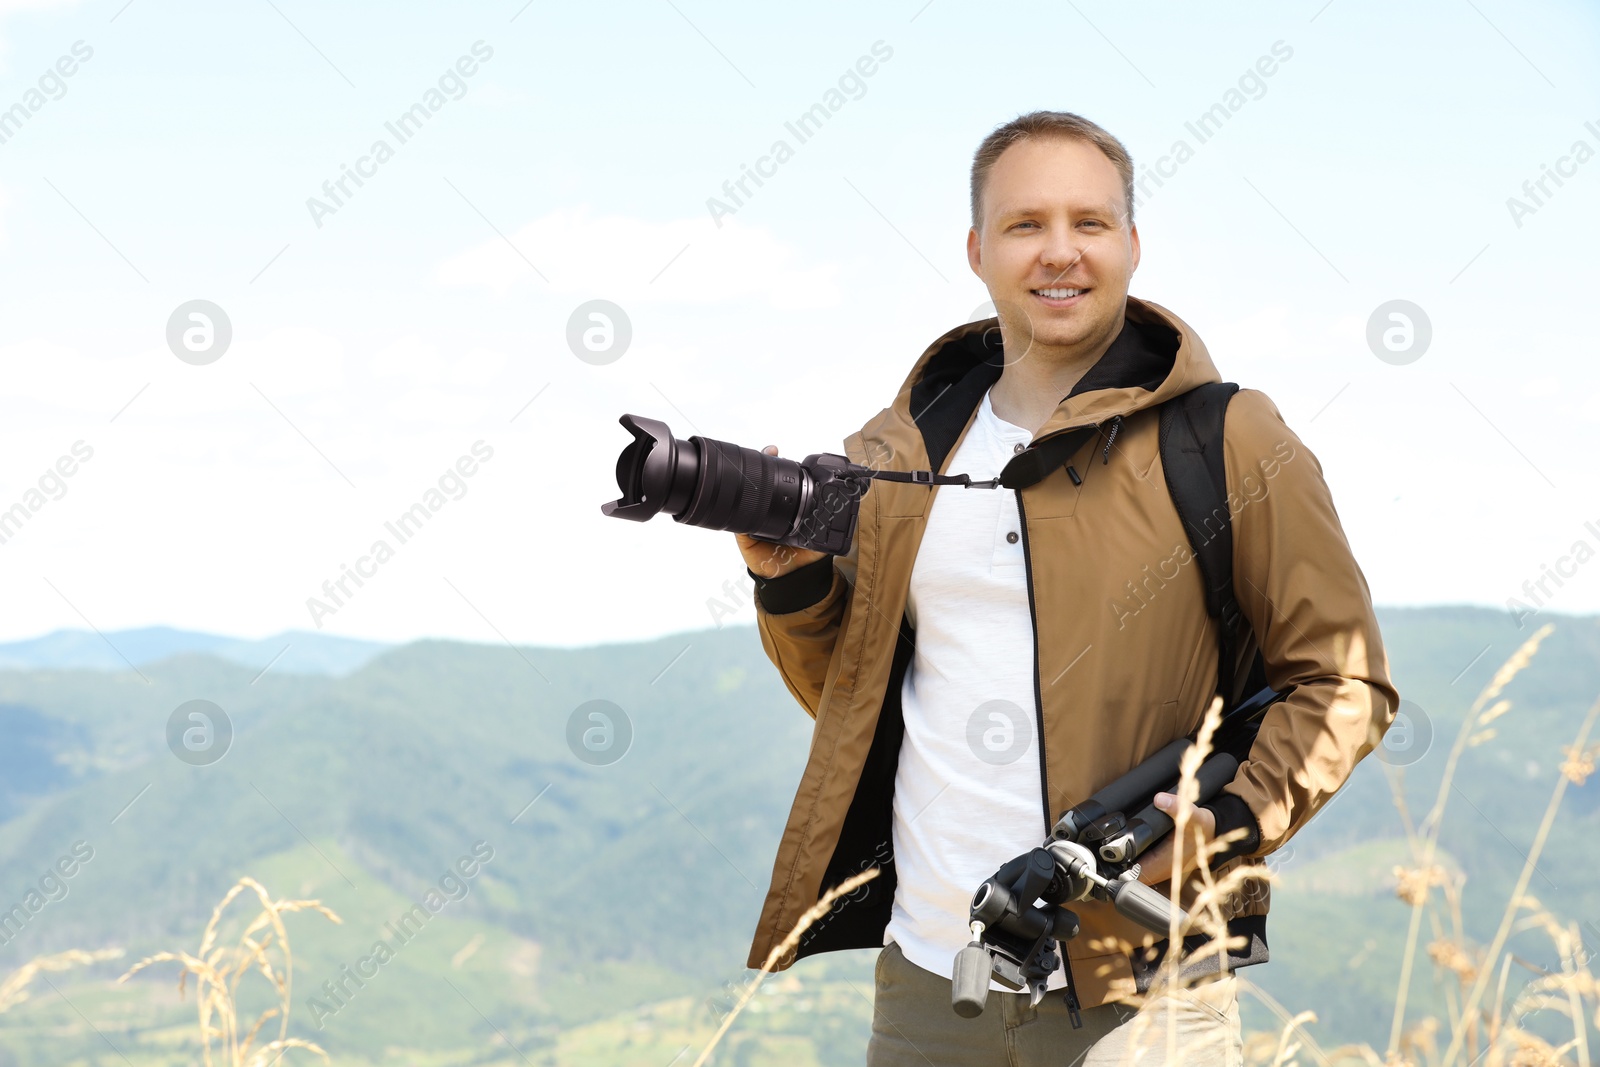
(14, 990)
(218, 969)
(1579, 763)
(1563, 992)
(1448, 955)
(1206, 914)
(1265, 1049)
(1414, 882)
(1472, 1023)
(1259, 1048)
(1430, 835)
(1469, 1011)
(784, 947)
(1506, 1045)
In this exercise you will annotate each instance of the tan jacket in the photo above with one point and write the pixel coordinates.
(1125, 655)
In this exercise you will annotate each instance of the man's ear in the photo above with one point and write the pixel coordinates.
(975, 253)
(1133, 236)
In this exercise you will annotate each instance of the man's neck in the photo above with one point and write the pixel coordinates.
(1033, 385)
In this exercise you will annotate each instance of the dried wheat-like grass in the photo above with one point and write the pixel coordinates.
(1470, 1016)
(1429, 833)
(1475, 1024)
(782, 949)
(1260, 1048)
(1268, 1051)
(1414, 882)
(1206, 916)
(1579, 763)
(1471, 1024)
(14, 990)
(218, 969)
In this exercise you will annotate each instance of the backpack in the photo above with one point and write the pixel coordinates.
(1192, 457)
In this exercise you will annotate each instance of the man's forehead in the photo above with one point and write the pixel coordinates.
(1039, 173)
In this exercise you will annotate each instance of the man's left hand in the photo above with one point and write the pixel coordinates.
(1155, 866)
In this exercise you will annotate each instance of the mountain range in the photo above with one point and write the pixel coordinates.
(624, 882)
(293, 651)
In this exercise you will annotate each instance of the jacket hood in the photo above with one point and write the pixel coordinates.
(1155, 357)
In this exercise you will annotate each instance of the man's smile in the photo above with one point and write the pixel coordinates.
(1059, 296)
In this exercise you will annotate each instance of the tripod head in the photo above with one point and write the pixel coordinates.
(1016, 917)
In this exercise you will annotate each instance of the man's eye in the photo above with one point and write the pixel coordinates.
(1091, 222)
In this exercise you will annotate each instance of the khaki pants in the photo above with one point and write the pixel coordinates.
(913, 1025)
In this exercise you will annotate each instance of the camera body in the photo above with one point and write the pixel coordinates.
(836, 488)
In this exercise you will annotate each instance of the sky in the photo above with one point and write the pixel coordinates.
(421, 330)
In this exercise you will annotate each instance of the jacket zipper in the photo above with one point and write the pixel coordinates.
(1071, 995)
(1038, 694)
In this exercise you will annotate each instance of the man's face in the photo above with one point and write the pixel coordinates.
(1054, 245)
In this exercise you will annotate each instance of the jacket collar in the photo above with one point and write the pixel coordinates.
(1155, 357)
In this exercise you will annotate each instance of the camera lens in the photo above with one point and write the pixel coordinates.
(708, 483)
(744, 490)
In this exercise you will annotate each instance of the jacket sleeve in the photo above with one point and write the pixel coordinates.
(1309, 606)
(799, 616)
(802, 613)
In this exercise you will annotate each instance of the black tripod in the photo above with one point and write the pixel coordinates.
(1016, 916)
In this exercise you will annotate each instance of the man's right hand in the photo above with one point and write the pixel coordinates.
(772, 560)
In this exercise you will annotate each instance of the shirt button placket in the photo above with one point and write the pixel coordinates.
(1016, 449)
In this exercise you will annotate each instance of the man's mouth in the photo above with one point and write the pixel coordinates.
(1058, 296)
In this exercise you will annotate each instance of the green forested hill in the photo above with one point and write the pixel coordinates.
(620, 896)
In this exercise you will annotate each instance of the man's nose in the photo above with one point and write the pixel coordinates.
(1061, 253)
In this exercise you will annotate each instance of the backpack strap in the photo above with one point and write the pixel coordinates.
(1192, 458)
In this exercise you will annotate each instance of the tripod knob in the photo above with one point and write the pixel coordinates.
(969, 985)
(1145, 906)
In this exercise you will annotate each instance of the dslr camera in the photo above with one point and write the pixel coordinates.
(715, 485)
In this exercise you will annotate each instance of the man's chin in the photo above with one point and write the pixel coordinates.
(1057, 335)
(1027, 329)
(1082, 326)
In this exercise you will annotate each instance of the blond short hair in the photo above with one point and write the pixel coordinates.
(1048, 124)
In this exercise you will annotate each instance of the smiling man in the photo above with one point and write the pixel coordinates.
(983, 659)
(1054, 243)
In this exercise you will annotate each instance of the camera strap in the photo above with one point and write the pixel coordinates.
(1026, 468)
(930, 478)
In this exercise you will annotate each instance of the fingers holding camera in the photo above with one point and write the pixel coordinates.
(773, 560)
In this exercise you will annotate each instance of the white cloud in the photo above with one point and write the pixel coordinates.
(1591, 409)
(416, 361)
(432, 408)
(1545, 385)
(290, 360)
(627, 259)
(45, 372)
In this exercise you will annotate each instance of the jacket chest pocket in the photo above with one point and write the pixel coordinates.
(890, 499)
(903, 500)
